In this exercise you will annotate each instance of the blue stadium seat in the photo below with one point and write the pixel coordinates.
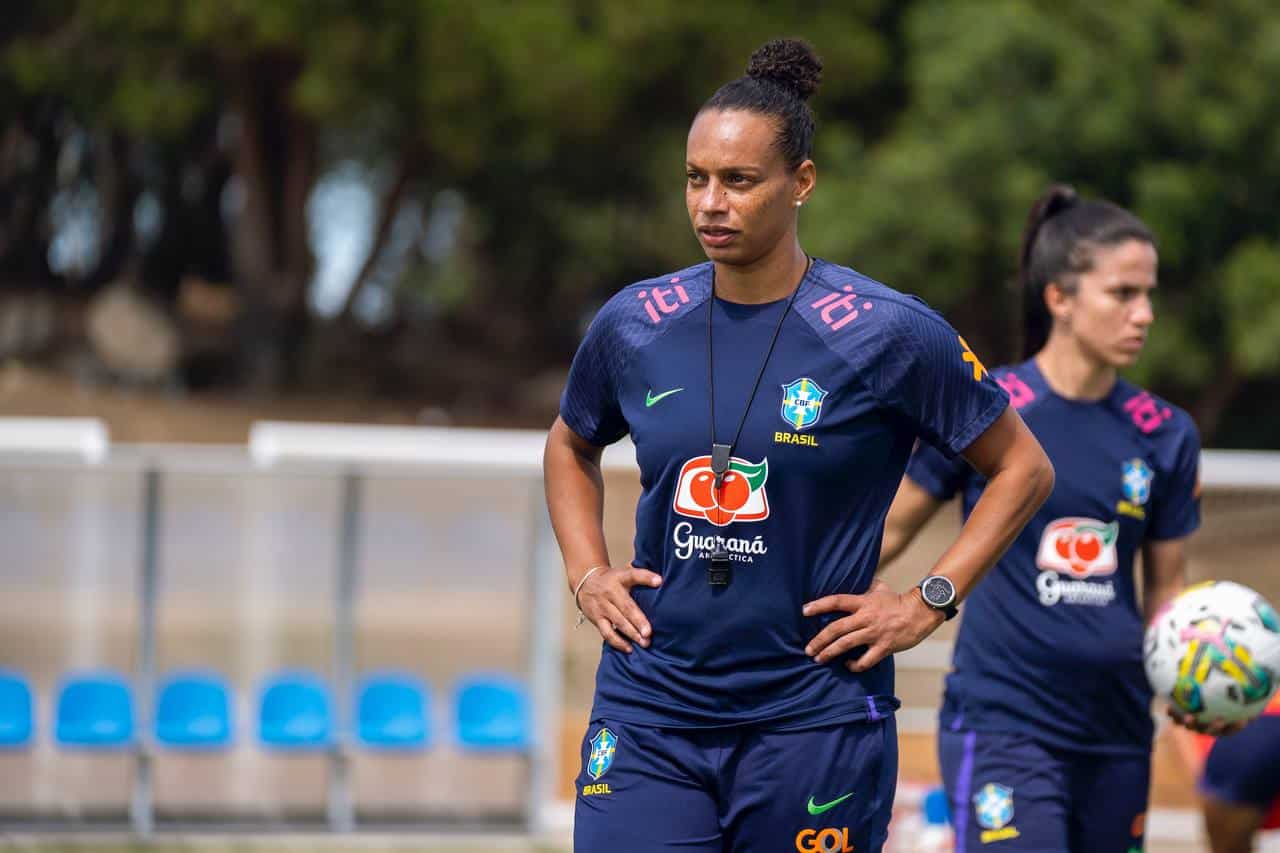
(15, 709)
(95, 711)
(193, 711)
(493, 713)
(392, 712)
(294, 712)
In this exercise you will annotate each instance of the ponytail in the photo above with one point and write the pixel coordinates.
(1058, 243)
(1035, 314)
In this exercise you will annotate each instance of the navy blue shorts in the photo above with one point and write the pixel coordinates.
(821, 790)
(1010, 792)
(1244, 768)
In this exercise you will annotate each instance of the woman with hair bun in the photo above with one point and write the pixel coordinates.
(1045, 732)
(744, 698)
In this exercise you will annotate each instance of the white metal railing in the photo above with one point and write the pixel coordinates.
(351, 454)
(85, 439)
(354, 452)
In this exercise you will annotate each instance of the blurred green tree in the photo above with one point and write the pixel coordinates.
(1167, 107)
(561, 122)
(561, 125)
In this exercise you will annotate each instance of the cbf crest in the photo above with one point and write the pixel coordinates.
(603, 745)
(993, 806)
(802, 403)
(1136, 480)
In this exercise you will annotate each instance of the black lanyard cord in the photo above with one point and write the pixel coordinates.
(711, 385)
(720, 573)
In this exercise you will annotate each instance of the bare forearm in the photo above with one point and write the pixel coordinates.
(1164, 574)
(1156, 596)
(575, 499)
(911, 509)
(1008, 502)
(893, 544)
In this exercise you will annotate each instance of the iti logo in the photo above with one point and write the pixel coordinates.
(603, 746)
(741, 495)
(1146, 412)
(1136, 480)
(1082, 547)
(802, 402)
(663, 299)
(840, 309)
(1019, 392)
(993, 806)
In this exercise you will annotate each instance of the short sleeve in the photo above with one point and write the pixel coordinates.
(935, 473)
(937, 383)
(1176, 502)
(589, 405)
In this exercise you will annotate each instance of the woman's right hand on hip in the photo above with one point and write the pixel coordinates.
(605, 599)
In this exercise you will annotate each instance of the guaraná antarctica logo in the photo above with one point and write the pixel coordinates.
(1077, 548)
(741, 496)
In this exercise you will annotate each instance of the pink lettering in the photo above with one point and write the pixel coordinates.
(648, 307)
(830, 297)
(1019, 392)
(838, 310)
(660, 296)
(656, 300)
(1146, 413)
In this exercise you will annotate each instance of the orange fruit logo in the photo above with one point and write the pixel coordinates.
(741, 495)
(1079, 547)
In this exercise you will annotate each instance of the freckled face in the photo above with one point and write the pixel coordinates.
(740, 194)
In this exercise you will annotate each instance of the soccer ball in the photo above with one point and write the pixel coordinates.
(1214, 652)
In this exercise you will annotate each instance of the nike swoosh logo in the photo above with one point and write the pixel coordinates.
(815, 809)
(649, 399)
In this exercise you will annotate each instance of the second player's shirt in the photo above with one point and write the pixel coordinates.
(858, 373)
(1051, 641)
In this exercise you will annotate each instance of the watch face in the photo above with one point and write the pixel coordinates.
(938, 591)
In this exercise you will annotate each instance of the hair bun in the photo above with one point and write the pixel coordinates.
(789, 63)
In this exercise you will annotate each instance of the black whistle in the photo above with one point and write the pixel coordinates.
(720, 459)
(720, 572)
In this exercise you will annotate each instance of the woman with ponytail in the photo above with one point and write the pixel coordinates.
(1045, 732)
(744, 698)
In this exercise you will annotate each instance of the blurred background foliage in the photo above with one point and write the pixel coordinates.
(429, 199)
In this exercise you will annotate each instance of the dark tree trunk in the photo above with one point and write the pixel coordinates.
(1215, 400)
(271, 255)
(118, 191)
(405, 172)
(28, 181)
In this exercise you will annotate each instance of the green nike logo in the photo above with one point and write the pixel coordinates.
(814, 808)
(649, 399)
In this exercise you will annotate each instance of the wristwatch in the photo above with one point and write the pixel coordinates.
(939, 593)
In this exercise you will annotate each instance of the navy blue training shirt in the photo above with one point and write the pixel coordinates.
(858, 373)
(1051, 641)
